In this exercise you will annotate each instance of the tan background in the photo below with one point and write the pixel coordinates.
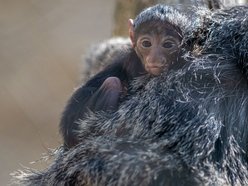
(41, 47)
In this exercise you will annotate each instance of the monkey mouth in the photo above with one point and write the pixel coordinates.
(155, 70)
(156, 67)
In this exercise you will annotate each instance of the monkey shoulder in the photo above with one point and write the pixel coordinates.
(102, 54)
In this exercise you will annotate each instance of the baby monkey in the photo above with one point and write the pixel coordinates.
(156, 48)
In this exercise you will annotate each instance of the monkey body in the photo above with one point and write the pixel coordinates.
(155, 48)
(78, 104)
(185, 127)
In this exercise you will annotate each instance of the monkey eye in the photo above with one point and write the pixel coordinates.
(146, 44)
(168, 44)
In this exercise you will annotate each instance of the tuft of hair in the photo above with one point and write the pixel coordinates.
(162, 13)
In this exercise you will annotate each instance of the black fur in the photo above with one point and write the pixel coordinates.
(101, 55)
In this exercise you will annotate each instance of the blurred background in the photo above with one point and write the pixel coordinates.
(42, 44)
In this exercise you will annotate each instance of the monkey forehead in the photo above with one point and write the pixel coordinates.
(158, 28)
(161, 13)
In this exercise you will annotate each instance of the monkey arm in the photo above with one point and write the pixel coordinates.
(81, 99)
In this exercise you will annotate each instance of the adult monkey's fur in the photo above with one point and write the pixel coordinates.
(189, 127)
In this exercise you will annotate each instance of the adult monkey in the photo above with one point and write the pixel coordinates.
(156, 48)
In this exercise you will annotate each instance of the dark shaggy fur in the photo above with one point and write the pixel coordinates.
(188, 127)
(100, 55)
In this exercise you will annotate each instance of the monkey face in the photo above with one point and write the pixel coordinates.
(157, 44)
(157, 52)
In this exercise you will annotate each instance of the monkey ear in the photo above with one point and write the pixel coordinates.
(131, 31)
